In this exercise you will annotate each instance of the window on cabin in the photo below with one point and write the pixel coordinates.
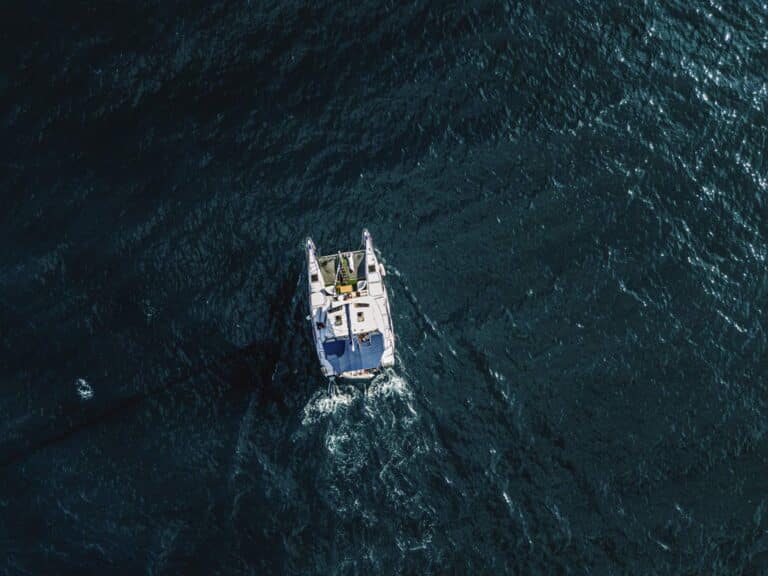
(371, 267)
(314, 277)
(360, 317)
(337, 320)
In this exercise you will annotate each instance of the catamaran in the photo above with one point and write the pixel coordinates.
(349, 312)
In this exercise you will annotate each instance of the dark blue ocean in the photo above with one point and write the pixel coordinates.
(570, 198)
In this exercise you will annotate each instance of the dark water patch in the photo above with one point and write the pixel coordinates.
(569, 198)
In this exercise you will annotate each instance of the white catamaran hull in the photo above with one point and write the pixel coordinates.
(349, 312)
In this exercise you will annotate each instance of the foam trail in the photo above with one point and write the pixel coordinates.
(389, 383)
(322, 404)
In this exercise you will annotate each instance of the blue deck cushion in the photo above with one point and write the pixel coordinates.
(334, 347)
(366, 355)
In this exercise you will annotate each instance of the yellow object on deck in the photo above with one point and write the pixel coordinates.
(344, 288)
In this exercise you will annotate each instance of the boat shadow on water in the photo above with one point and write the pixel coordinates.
(249, 367)
(255, 368)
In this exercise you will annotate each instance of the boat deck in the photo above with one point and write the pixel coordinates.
(366, 355)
